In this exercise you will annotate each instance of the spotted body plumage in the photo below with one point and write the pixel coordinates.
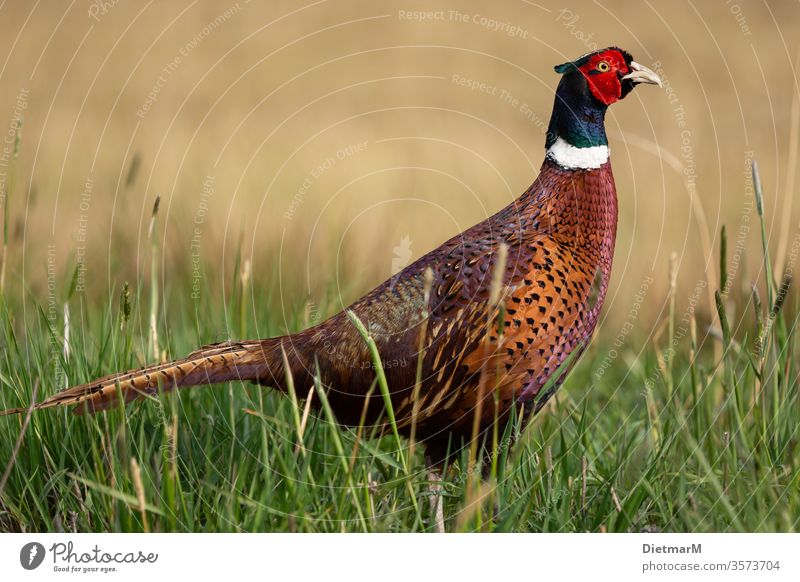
(560, 238)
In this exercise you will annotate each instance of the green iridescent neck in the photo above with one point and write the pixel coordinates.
(578, 118)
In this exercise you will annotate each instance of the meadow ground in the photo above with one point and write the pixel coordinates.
(691, 430)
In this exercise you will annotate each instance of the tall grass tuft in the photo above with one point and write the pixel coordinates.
(6, 201)
(154, 292)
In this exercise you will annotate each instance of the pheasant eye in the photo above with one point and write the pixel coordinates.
(603, 67)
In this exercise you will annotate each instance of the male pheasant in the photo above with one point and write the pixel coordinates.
(477, 340)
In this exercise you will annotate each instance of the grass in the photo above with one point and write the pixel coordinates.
(690, 429)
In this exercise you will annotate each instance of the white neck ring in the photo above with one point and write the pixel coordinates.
(571, 157)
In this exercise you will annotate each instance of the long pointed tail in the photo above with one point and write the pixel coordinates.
(252, 360)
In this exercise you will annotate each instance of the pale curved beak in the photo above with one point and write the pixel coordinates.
(641, 74)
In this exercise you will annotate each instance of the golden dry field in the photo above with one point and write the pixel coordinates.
(337, 140)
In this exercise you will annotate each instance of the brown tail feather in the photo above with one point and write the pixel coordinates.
(208, 365)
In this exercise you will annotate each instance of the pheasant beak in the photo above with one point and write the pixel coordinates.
(641, 74)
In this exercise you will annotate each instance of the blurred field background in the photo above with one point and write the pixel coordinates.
(302, 154)
(257, 96)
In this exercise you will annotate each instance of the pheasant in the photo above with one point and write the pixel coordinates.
(490, 316)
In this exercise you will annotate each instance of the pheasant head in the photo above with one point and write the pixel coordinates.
(576, 137)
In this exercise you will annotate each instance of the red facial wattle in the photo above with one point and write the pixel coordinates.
(603, 72)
